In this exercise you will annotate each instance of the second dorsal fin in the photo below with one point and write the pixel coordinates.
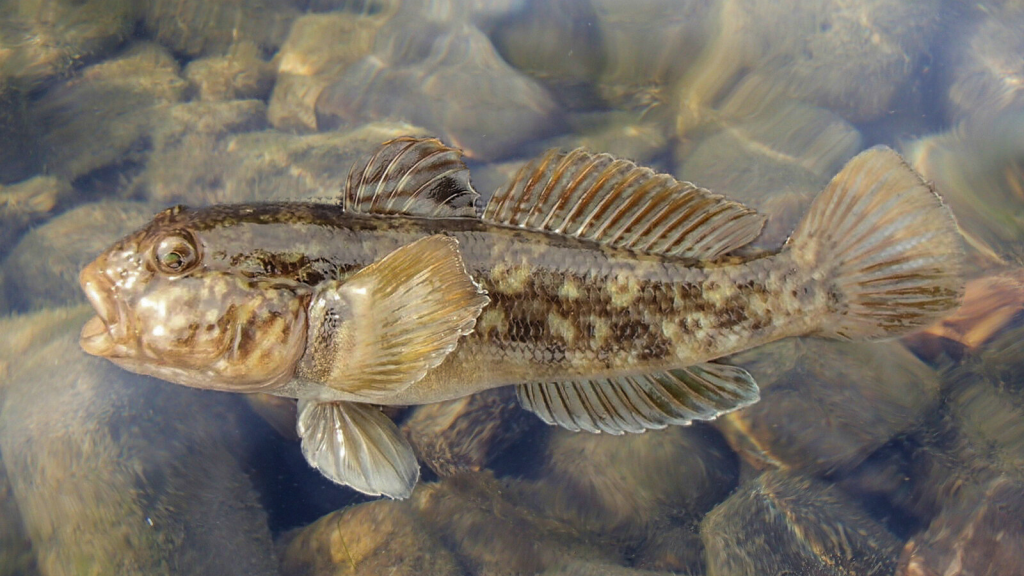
(615, 202)
(414, 177)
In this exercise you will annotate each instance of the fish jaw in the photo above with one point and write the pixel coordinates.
(105, 333)
(95, 338)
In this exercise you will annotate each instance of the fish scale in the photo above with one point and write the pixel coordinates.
(604, 291)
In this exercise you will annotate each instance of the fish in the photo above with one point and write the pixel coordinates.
(606, 292)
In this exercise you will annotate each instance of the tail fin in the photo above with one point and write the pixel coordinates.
(890, 246)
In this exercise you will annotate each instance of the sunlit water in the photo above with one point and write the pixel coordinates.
(902, 457)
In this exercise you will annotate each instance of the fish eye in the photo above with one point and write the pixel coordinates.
(176, 253)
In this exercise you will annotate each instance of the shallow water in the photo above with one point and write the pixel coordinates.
(904, 457)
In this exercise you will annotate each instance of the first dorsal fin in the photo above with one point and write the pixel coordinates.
(615, 202)
(414, 177)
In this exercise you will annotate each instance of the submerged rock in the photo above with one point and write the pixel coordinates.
(787, 524)
(480, 519)
(370, 539)
(466, 433)
(673, 548)
(279, 412)
(986, 74)
(240, 74)
(205, 28)
(556, 42)
(45, 39)
(448, 79)
(978, 437)
(625, 487)
(103, 116)
(43, 268)
(650, 45)
(187, 162)
(978, 168)
(977, 536)
(637, 136)
(598, 569)
(318, 50)
(42, 41)
(115, 473)
(774, 159)
(26, 203)
(16, 555)
(202, 168)
(850, 57)
(826, 406)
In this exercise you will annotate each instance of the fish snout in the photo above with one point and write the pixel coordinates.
(96, 337)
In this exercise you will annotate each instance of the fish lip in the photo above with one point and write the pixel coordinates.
(97, 336)
(97, 290)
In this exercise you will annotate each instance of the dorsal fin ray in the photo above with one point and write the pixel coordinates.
(413, 177)
(615, 202)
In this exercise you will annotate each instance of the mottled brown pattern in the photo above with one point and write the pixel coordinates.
(560, 307)
(602, 336)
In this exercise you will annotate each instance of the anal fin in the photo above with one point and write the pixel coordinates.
(358, 446)
(639, 403)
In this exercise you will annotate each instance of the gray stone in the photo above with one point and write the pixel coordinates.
(119, 474)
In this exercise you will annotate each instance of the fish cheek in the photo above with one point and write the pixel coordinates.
(169, 318)
(221, 332)
(267, 336)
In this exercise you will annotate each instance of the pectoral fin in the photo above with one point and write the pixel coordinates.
(638, 403)
(358, 446)
(381, 330)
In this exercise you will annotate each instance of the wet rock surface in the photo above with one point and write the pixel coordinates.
(220, 166)
(859, 459)
(42, 270)
(985, 79)
(115, 102)
(27, 203)
(382, 537)
(783, 523)
(981, 535)
(148, 484)
(16, 555)
(467, 433)
(826, 406)
(850, 57)
(494, 534)
(451, 82)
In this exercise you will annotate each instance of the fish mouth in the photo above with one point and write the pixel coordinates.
(96, 339)
(97, 335)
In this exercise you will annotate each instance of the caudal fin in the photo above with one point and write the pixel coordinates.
(889, 246)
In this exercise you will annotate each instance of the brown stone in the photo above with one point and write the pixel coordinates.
(381, 537)
(786, 524)
(979, 536)
(464, 434)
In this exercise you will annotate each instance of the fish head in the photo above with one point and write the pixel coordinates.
(160, 311)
